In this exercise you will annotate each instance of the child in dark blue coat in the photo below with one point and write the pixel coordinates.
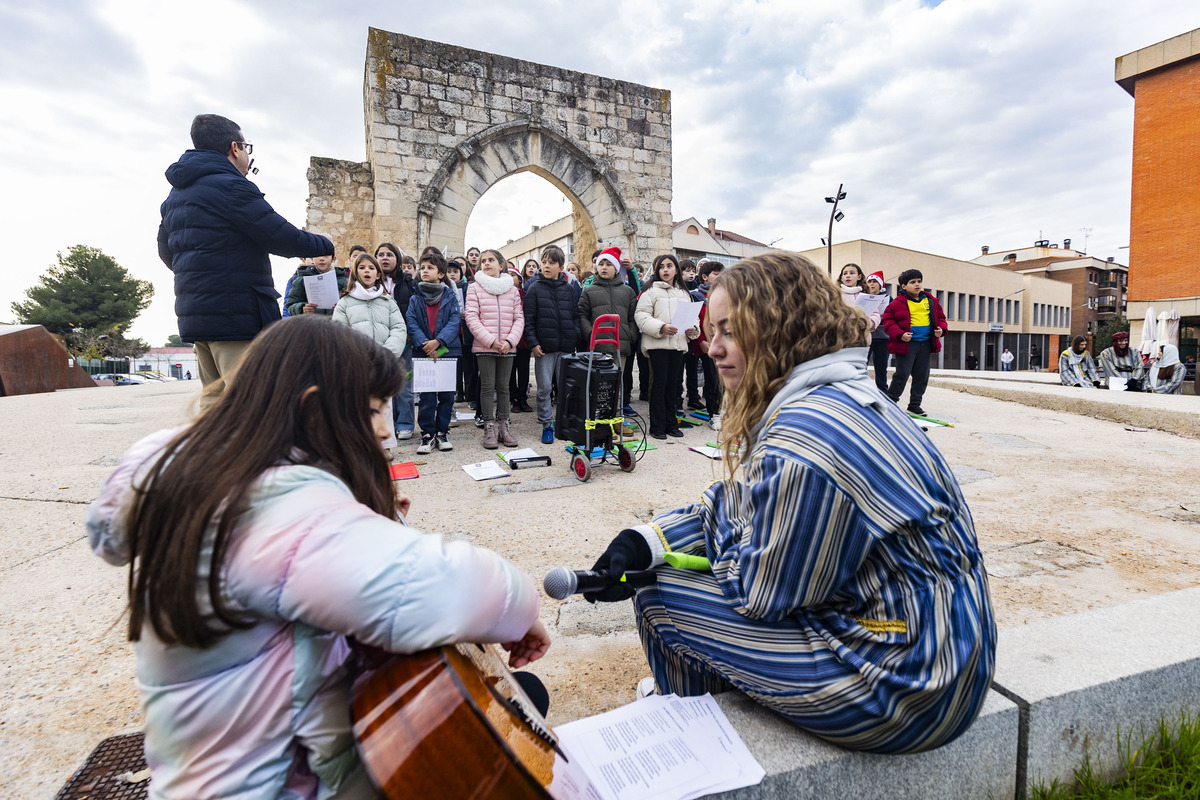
(433, 322)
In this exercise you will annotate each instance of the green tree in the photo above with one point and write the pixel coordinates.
(1105, 331)
(87, 291)
(174, 341)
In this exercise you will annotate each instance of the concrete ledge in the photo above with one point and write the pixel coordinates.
(1064, 689)
(1083, 681)
(980, 764)
(1177, 414)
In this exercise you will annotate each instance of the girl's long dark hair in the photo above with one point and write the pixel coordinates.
(662, 259)
(300, 396)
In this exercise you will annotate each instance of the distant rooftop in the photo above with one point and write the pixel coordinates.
(717, 233)
(1156, 57)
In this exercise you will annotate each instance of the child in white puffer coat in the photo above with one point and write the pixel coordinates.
(369, 309)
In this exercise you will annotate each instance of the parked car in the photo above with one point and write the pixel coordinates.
(131, 380)
(156, 376)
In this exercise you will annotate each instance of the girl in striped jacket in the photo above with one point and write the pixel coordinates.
(847, 590)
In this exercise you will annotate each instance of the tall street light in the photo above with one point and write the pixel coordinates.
(834, 215)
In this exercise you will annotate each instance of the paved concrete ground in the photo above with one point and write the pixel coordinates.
(1072, 512)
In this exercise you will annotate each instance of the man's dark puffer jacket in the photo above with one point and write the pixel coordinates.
(216, 233)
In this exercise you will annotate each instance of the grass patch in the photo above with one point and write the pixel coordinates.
(1165, 766)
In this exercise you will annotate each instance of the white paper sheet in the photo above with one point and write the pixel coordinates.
(1117, 384)
(485, 470)
(322, 289)
(435, 376)
(660, 747)
(390, 442)
(687, 315)
(705, 450)
(872, 303)
(461, 415)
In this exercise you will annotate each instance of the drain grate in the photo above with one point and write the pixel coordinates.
(99, 777)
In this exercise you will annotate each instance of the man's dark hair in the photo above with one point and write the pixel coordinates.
(708, 268)
(435, 258)
(594, 254)
(355, 248)
(908, 275)
(214, 132)
(687, 263)
(555, 254)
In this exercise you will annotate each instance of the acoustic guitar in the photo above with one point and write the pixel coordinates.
(450, 723)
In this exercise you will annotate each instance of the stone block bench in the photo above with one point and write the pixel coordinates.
(1064, 688)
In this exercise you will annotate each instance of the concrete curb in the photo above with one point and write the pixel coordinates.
(1146, 411)
(1065, 688)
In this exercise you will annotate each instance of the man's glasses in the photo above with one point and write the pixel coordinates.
(249, 148)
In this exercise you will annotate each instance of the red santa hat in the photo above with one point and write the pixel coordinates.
(877, 277)
(612, 255)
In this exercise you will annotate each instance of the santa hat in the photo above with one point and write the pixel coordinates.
(878, 277)
(612, 255)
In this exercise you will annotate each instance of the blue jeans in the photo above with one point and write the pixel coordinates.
(436, 408)
(402, 404)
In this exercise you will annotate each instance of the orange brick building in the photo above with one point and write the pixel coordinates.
(1164, 225)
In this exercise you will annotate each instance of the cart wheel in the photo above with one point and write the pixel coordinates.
(625, 458)
(582, 467)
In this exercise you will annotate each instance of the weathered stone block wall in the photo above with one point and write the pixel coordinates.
(341, 203)
(444, 123)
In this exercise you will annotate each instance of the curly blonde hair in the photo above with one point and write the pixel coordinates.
(783, 311)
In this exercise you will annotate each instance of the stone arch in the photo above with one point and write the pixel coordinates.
(485, 159)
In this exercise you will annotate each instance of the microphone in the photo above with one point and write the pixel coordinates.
(253, 170)
(560, 582)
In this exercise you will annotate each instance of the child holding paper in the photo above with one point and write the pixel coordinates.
(297, 298)
(246, 680)
(664, 343)
(433, 320)
(496, 320)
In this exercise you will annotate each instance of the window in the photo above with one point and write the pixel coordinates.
(941, 298)
(991, 309)
(950, 305)
(970, 308)
(962, 307)
(1017, 311)
(693, 230)
(1008, 312)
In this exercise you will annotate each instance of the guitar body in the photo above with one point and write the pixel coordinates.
(450, 723)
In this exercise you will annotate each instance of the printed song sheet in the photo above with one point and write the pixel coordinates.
(687, 315)
(321, 289)
(872, 303)
(660, 747)
(434, 376)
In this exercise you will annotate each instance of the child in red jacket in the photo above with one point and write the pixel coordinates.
(915, 324)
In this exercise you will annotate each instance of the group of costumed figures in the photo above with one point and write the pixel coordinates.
(1161, 373)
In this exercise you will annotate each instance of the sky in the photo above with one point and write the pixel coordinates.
(952, 124)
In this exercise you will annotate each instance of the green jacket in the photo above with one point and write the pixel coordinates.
(297, 296)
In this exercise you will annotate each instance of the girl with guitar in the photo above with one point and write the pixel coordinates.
(259, 538)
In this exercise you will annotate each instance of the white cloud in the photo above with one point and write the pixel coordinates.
(972, 122)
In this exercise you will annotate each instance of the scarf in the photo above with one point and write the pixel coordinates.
(1073, 357)
(850, 290)
(497, 286)
(845, 370)
(432, 292)
(360, 292)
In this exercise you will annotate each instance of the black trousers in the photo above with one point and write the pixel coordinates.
(916, 363)
(665, 369)
(690, 363)
(518, 384)
(877, 357)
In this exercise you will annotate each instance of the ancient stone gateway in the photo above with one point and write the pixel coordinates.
(444, 124)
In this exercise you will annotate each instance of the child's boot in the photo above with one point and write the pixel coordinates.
(505, 435)
(489, 435)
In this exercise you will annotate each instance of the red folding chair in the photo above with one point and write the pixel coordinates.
(608, 326)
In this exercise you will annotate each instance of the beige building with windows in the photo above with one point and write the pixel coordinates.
(988, 309)
(560, 232)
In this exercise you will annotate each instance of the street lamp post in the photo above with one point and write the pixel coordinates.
(834, 215)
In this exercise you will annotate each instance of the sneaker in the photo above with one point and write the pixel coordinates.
(714, 422)
(404, 433)
(454, 422)
(646, 687)
(548, 434)
(478, 420)
(916, 410)
(628, 410)
(443, 444)
(426, 445)
(694, 405)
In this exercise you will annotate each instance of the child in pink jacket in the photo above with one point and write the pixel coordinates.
(496, 320)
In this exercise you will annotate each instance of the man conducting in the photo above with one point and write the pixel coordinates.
(216, 235)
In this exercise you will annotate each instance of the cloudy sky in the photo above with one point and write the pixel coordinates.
(952, 124)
